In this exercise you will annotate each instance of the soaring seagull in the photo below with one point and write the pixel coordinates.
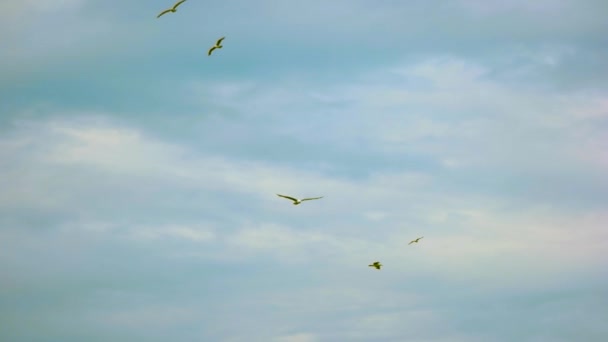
(216, 46)
(416, 241)
(173, 9)
(376, 264)
(298, 201)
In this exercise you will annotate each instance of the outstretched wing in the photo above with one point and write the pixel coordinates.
(419, 238)
(211, 50)
(219, 41)
(163, 12)
(310, 199)
(411, 242)
(178, 3)
(291, 198)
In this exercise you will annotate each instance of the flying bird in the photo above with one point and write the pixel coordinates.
(376, 264)
(298, 201)
(416, 241)
(173, 9)
(216, 46)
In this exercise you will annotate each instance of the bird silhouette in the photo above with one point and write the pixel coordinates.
(376, 264)
(173, 9)
(298, 201)
(416, 241)
(216, 46)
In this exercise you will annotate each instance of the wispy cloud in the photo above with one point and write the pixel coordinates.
(138, 177)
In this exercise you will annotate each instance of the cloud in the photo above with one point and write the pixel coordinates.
(129, 215)
(81, 36)
(137, 166)
(467, 243)
(301, 337)
(440, 114)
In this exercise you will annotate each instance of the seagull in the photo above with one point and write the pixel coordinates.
(298, 201)
(416, 241)
(216, 46)
(376, 264)
(173, 9)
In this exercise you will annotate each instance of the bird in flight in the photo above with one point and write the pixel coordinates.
(376, 264)
(298, 201)
(216, 46)
(173, 9)
(416, 241)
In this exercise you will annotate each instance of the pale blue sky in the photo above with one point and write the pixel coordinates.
(138, 176)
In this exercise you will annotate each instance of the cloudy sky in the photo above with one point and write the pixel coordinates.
(138, 177)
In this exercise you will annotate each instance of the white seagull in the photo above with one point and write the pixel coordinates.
(173, 9)
(218, 45)
(416, 241)
(298, 201)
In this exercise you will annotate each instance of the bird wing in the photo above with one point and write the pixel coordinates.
(164, 12)
(219, 41)
(411, 242)
(211, 50)
(310, 199)
(178, 3)
(291, 198)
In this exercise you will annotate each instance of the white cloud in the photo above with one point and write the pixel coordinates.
(429, 105)
(503, 176)
(299, 337)
(287, 245)
(498, 248)
(375, 215)
(463, 233)
(194, 234)
(468, 235)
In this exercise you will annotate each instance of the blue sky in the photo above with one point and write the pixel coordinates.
(138, 176)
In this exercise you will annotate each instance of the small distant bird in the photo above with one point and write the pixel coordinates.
(416, 241)
(298, 201)
(376, 264)
(216, 46)
(173, 9)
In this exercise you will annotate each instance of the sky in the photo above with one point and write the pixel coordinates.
(138, 176)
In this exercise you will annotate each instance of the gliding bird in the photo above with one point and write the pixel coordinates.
(173, 9)
(298, 201)
(416, 241)
(216, 46)
(376, 264)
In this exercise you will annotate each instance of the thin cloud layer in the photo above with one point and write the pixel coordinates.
(139, 177)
